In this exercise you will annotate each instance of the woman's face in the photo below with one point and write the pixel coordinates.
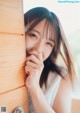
(39, 39)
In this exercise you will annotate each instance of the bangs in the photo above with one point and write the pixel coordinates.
(51, 33)
(31, 24)
(50, 30)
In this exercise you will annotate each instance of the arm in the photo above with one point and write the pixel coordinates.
(62, 103)
(39, 102)
(34, 67)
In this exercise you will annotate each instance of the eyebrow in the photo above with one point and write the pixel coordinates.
(51, 40)
(36, 31)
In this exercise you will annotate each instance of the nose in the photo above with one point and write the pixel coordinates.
(39, 46)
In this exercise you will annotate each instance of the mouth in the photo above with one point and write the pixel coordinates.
(35, 54)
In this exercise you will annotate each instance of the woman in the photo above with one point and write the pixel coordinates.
(48, 83)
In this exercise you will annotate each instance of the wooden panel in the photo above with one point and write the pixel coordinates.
(11, 44)
(15, 98)
(11, 16)
(75, 106)
(13, 92)
(12, 62)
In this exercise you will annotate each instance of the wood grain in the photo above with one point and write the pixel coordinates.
(12, 62)
(13, 92)
(11, 16)
(15, 98)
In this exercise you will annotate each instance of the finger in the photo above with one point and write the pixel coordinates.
(33, 58)
(28, 69)
(33, 65)
(34, 52)
(37, 54)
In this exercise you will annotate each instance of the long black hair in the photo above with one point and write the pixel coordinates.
(31, 19)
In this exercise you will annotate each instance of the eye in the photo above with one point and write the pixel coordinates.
(50, 44)
(32, 35)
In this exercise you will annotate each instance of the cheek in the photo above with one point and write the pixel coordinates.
(46, 53)
(28, 43)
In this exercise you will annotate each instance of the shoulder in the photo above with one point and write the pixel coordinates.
(54, 76)
(65, 81)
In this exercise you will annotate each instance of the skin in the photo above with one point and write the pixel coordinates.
(39, 47)
(36, 45)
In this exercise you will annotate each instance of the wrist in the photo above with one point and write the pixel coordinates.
(35, 91)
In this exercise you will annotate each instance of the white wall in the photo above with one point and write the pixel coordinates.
(69, 13)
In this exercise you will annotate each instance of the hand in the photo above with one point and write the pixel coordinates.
(33, 68)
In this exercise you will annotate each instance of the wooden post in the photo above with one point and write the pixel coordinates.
(13, 92)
